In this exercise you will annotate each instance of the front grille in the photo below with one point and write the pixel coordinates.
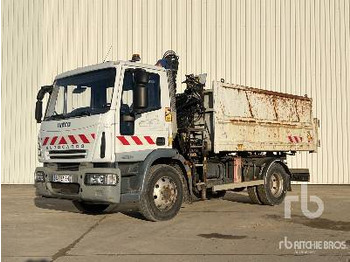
(65, 188)
(67, 154)
(67, 166)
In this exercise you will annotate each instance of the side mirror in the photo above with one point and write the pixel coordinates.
(38, 111)
(39, 104)
(140, 97)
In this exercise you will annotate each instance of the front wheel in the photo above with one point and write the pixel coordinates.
(162, 195)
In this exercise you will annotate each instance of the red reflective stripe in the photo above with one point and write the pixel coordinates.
(72, 139)
(62, 141)
(84, 139)
(291, 139)
(53, 141)
(296, 139)
(149, 140)
(123, 140)
(93, 135)
(45, 140)
(136, 140)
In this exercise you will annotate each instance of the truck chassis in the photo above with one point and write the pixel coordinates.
(210, 141)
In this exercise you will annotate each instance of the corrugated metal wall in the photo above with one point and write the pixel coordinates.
(295, 46)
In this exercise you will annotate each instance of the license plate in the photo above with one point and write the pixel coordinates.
(62, 178)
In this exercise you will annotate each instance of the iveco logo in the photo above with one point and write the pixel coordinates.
(63, 124)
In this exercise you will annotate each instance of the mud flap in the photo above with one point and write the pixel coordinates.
(300, 174)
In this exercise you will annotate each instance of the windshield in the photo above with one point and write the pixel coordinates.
(80, 95)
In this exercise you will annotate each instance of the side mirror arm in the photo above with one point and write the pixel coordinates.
(43, 90)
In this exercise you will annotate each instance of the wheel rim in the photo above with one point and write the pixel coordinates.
(276, 184)
(164, 193)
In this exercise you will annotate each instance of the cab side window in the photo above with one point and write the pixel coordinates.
(127, 127)
(153, 88)
(126, 108)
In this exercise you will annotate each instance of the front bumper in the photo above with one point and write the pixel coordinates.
(78, 190)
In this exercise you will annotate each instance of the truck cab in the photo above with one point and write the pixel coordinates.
(101, 122)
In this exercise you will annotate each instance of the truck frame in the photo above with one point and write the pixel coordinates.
(117, 135)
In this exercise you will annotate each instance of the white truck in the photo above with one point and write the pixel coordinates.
(116, 134)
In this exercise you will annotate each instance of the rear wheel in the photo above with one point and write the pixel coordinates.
(162, 196)
(274, 190)
(253, 194)
(89, 208)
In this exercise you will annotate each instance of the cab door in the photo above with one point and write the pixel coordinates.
(142, 131)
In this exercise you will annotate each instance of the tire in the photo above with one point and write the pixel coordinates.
(186, 192)
(162, 195)
(275, 187)
(89, 208)
(253, 195)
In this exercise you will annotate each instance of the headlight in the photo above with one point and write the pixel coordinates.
(101, 179)
(39, 176)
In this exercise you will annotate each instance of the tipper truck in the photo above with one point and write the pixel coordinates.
(117, 134)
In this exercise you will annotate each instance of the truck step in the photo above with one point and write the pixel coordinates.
(193, 129)
(237, 185)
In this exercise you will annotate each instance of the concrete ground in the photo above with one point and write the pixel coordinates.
(229, 229)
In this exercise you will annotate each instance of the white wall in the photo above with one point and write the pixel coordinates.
(295, 46)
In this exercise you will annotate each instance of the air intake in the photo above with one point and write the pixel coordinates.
(67, 154)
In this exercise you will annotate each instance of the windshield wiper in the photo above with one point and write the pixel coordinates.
(80, 113)
(72, 114)
(58, 116)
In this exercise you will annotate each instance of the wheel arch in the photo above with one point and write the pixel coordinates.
(286, 168)
(164, 156)
(280, 161)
